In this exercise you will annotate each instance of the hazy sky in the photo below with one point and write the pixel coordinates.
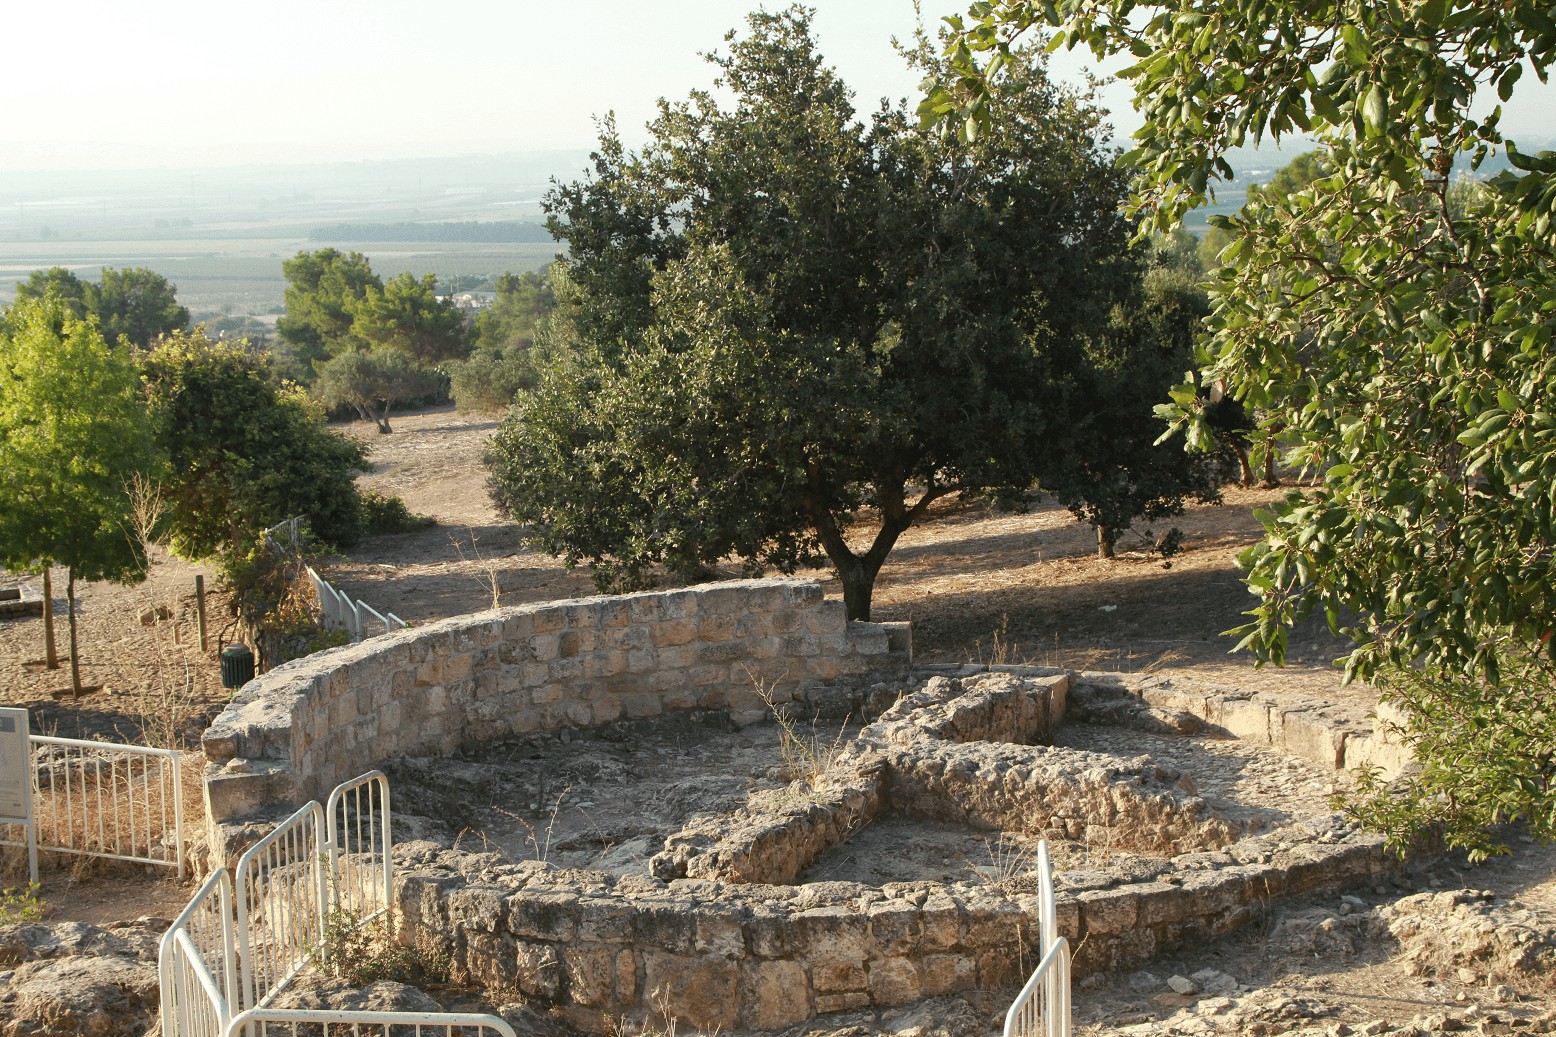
(105, 84)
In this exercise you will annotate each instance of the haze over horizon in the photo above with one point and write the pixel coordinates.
(181, 84)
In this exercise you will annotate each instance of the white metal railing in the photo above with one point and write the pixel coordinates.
(246, 934)
(198, 963)
(271, 1022)
(282, 892)
(337, 611)
(1042, 1009)
(103, 799)
(357, 833)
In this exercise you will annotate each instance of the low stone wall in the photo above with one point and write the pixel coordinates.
(295, 732)
(710, 939)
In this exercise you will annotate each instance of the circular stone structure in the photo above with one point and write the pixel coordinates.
(1177, 812)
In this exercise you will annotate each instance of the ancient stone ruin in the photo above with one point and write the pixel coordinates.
(772, 877)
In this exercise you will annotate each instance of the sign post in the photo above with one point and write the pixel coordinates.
(16, 780)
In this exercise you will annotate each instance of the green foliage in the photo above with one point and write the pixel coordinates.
(382, 513)
(1485, 751)
(782, 315)
(1394, 331)
(246, 451)
(364, 952)
(59, 282)
(22, 904)
(135, 305)
(373, 381)
(1120, 469)
(407, 316)
(491, 379)
(323, 289)
(74, 434)
(517, 314)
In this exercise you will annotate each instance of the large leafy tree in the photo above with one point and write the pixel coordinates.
(786, 319)
(372, 381)
(406, 315)
(323, 290)
(74, 433)
(247, 452)
(1396, 331)
(134, 305)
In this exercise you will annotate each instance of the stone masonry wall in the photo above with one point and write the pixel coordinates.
(295, 732)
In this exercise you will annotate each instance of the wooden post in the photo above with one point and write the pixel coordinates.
(200, 606)
(50, 654)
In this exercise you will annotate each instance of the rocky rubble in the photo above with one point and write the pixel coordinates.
(83, 980)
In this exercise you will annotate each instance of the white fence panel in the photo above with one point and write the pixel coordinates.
(197, 963)
(283, 897)
(103, 799)
(337, 611)
(361, 866)
(1042, 1009)
(271, 1022)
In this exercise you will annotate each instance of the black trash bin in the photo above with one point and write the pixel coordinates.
(237, 666)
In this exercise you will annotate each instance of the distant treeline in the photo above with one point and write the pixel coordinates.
(494, 231)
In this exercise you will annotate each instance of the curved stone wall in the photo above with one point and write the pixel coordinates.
(292, 734)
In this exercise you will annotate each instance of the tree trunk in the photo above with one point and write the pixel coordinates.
(1270, 481)
(382, 417)
(50, 653)
(70, 611)
(1245, 475)
(858, 586)
(1105, 539)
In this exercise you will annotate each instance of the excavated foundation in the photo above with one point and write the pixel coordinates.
(733, 892)
(730, 807)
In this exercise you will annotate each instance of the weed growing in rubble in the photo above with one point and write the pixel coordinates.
(806, 754)
(1010, 859)
(22, 904)
(363, 952)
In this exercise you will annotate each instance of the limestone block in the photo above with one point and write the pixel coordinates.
(802, 646)
(828, 935)
(458, 667)
(478, 908)
(894, 981)
(714, 628)
(946, 973)
(673, 632)
(840, 1002)
(692, 991)
(942, 923)
(868, 639)
(1369, 749)
(551, 917)
(517, 626)
(787, 622)
(665, 925)
(589, 972)
(829, 617)
(604, 919)
(550, 619)
(605, 711)
(1109, 910)
(1313, 736)
(753, 624)
(718, 931)
(728, 599)
(639, 706)
(1247, 718)
(772, 995)
(604, 664)
(834, 976)
(538, 968)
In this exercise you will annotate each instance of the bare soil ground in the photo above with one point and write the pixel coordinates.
(977, 584)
